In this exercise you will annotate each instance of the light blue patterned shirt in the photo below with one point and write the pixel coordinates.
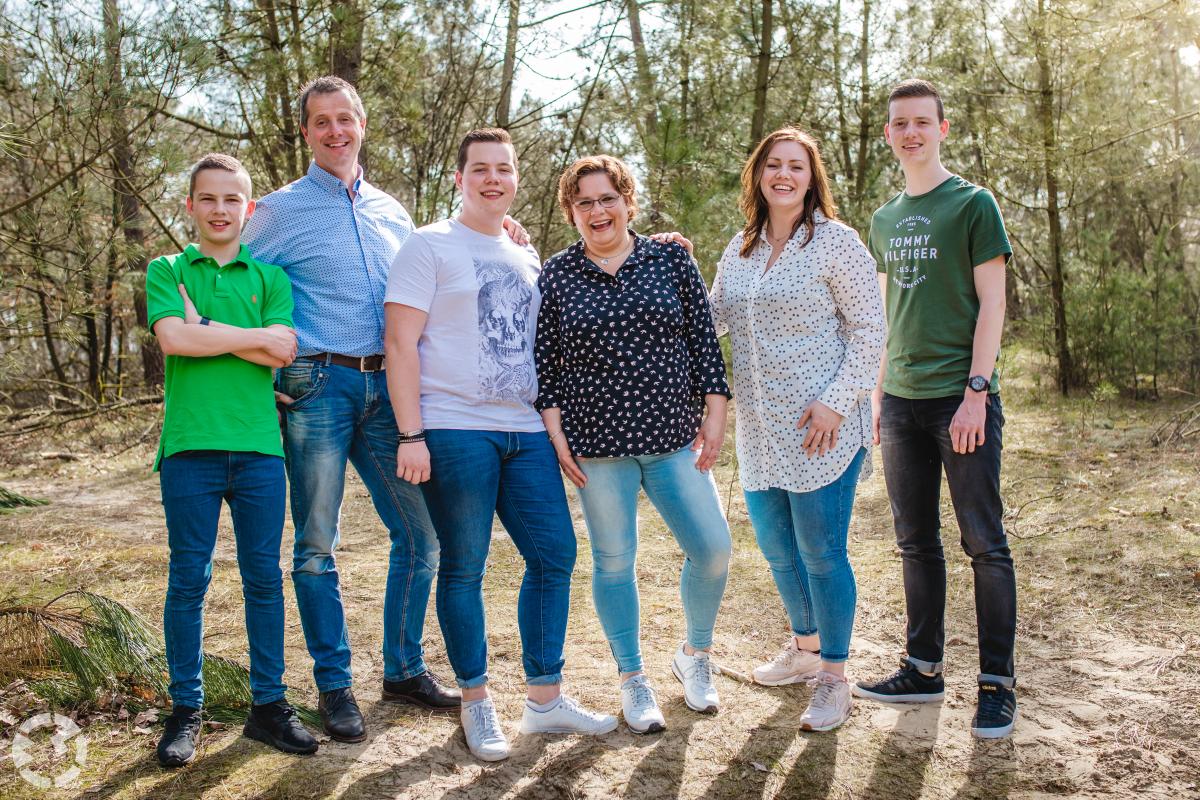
(337, 252)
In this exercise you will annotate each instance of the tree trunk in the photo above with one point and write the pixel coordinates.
(279, 96)
(345, 49)
(762, 75)
(843, 121)
(504, 107)
(864, 107)
(645, 79)
(1066, 368)
(130, 211)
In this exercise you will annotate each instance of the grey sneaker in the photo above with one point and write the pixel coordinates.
(639, 705)
(695, 673)
(567, 716)
(830, 705)
(482, 727)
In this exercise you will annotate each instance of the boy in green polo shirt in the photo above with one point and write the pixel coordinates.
(224, 320)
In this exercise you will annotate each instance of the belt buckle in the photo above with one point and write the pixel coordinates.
(362, 363)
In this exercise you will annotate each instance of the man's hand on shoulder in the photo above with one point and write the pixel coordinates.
(673, 237)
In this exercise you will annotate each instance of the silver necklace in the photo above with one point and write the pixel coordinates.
(604, 261)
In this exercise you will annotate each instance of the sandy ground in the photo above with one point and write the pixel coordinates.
(1106, 535)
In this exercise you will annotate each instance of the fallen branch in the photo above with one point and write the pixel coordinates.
(1182, 425)
(77, 415)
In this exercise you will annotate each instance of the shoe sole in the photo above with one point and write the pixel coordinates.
(491, 757)
(599, 732)
(653, 727)
(785, 681)
(867, 694)
(403, 699)
(259, 735)
(994, 733)
(337, 737)
(688, 703)
(177, 764)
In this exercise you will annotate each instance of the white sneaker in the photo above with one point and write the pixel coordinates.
(790, 665)
(830, 705)
(567, 716)
(482, 727)
(695, 673)
(639, 705)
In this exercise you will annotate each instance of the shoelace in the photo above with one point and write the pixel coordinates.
(484, 722)
(187, 724)
(573, 707)
(701, 671)
(825, 695)
(991, 704)
(784, 657)
(643, 695)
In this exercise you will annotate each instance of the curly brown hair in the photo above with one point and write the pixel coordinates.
(614, 168)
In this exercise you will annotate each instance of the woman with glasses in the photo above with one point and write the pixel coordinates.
(797, 292)
(632, 390)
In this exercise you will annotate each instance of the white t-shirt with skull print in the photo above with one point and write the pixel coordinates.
(480, 291)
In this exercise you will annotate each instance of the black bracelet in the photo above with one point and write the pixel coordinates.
(409, 438)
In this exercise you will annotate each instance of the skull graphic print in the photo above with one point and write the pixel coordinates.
(506, 370)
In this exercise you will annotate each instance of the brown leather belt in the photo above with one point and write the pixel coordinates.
(360, 363)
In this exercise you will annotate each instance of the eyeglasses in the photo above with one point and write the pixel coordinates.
(604, 201)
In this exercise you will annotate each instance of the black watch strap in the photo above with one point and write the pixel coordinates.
(978, 383)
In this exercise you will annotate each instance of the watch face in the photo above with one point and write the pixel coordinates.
(978, 383)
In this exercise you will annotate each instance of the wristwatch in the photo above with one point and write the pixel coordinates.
(978, 383)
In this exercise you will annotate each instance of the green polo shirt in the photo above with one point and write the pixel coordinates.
(218, 402)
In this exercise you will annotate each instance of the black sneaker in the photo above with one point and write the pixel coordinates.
(178, 743)
(905, 685)
(276, 724)
(341, 716)
(424, 690)
(996, 713)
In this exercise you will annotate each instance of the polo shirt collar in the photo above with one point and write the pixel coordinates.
(193, 254)
(332, 183)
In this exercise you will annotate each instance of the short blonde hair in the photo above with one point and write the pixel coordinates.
(614, 168)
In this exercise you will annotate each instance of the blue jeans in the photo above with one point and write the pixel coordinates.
(193, 486)
(476, 475)
(687, 500)
(342, 414)
(803, 537)
(915, 436)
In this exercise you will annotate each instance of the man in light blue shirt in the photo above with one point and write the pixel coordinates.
(336, 236)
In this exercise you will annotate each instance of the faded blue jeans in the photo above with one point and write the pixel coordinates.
(340, 415)
(803, 537)
(474, 477)
(687, 500)
(193, 486)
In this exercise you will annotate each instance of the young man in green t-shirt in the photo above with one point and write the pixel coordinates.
(224, 320)
(942, 249)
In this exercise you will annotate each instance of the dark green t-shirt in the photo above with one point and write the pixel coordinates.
(218, 402)
(929, 246)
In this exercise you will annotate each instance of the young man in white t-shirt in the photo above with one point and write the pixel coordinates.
(461, 308)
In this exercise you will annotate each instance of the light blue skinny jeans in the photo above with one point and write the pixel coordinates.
(687, 500)
(803, 537)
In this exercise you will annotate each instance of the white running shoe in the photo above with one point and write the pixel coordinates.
(695, 673)
(567, 716)
(482, 727)
(639, 705)
(830, 705)
(790, 665)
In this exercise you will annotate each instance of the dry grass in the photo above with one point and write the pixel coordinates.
(1106, 533)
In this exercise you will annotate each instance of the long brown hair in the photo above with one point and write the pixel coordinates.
(754, 206)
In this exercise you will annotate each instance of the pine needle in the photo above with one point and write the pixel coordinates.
(80, 645)
(10, 499)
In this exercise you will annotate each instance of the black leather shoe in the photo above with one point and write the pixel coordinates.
(424, 690)
(339, 712)
(178, 743)
(276, 724)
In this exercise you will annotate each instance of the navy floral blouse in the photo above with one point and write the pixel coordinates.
(627, 359)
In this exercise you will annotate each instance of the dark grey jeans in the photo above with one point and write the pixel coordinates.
(915, 439)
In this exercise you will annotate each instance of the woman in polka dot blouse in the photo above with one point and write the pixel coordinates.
(627, 362)
(797, 293)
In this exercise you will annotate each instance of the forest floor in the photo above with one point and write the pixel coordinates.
(1105, 530)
